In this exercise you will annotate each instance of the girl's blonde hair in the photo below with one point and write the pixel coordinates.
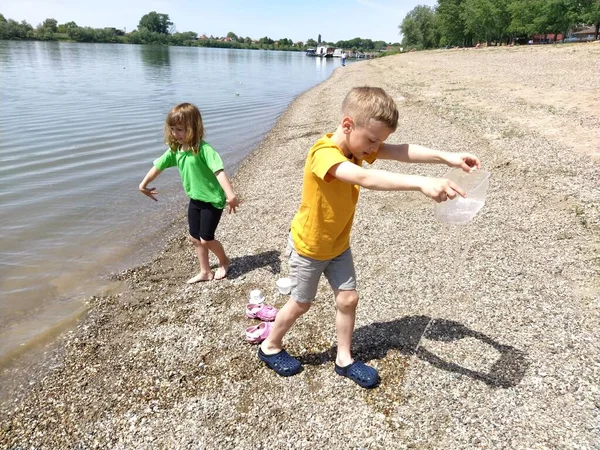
(188, 116)
(364, 104)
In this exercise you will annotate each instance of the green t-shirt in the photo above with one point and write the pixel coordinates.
(197, 173)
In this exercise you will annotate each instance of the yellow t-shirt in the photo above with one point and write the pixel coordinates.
(321, 227)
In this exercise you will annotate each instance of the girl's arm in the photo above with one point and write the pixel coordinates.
(439, 189)
(232, 201)
(418, 154)
(150, 176)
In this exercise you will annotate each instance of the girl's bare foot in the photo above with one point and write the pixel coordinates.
(201, 277)
(222, 270)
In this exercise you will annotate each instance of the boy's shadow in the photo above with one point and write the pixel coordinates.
(244, 264)
(375, 340)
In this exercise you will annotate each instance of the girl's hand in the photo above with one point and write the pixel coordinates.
(465, 161)
(441, 189)
(149, 192)
(232, 204)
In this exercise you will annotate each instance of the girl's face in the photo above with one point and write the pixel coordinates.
(178, 132)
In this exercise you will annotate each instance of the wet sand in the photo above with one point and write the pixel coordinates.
(485, 336)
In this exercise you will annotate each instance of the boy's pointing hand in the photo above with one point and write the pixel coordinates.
(441, 189)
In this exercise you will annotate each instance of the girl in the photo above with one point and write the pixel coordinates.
(204, 181)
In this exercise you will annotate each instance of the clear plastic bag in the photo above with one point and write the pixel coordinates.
(460, 211)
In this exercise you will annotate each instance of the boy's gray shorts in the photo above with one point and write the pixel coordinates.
(305, 273)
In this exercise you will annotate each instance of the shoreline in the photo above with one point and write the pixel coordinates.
(37, 296)
(508, 359)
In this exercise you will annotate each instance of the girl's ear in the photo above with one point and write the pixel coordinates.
(347, 124)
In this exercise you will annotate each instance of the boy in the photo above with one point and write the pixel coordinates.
(320, 232)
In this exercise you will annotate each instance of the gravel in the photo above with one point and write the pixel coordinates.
(486, 336)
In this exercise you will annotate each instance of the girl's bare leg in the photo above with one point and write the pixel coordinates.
(216, 247)
(202, 254)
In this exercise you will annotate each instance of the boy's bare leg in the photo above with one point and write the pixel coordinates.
(346, 302)
(286, 317)
(216, 247)
(202, 254)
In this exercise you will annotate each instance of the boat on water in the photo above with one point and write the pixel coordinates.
(321, 52)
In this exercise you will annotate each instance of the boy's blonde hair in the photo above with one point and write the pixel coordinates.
(364, 104)
(188, 116)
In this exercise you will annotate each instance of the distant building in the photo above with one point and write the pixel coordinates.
(546, 38)
(585, 34)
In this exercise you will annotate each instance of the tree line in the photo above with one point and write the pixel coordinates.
(157, 28)
(465, 22)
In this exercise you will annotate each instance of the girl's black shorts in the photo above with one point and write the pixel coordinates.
(203, 219)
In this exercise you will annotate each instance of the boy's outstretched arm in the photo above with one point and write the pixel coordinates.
(439, 189)
(414, 153)
(150, 176)
(232, 200)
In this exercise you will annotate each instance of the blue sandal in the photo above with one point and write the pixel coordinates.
(360, 373)
(282, 363)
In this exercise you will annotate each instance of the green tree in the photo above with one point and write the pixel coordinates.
(311, 43)
(3, 27)
(450, 23)
(50, 24)
(231, 35)
(590, 14)
(319, 40)
(156, 23)
(418, 28)
(266, 41)
(486, 19)
(64, 27)
(12, 30)
(560, 15)
(546, 16)
(523, 14)
(380, 45)
(46, 30)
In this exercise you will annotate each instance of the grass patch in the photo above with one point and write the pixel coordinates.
(511, 133)
(580, 213)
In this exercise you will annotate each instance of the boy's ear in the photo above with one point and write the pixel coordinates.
(347, 124)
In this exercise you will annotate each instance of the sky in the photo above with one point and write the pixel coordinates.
(334, 20)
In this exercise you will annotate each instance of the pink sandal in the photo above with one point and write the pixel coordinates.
(258, 333)
(262, 312)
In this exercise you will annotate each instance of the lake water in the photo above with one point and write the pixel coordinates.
(81, 125)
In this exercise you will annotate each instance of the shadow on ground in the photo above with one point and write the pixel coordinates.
(244, 264)
(375, 340)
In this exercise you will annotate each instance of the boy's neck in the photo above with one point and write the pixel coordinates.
(339, 139)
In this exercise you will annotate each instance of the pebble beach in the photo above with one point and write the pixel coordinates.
(486, 336)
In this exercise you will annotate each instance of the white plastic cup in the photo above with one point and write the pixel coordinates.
(284, 285)
(256, 297)
(460, 211)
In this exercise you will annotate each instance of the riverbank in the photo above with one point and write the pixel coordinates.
(510, 359)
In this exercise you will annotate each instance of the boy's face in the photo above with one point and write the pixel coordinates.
(366, 139)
